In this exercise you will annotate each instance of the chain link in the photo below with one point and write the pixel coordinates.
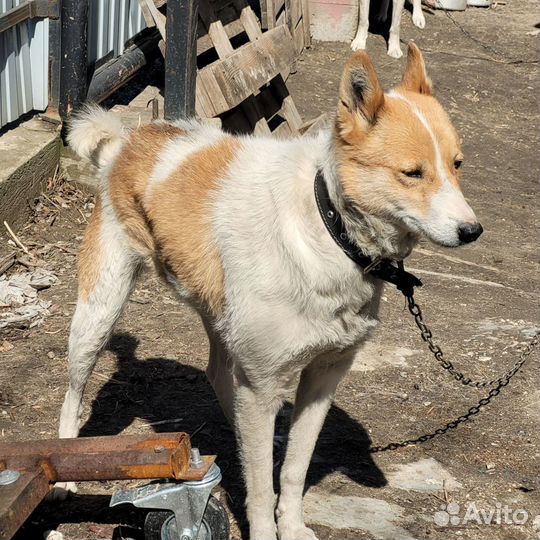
(498, 384)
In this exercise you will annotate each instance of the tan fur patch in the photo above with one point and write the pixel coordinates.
(179, 212)
(129, 177)
(415, 78)
(89, 259)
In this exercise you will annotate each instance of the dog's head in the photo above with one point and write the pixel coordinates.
(398, 154)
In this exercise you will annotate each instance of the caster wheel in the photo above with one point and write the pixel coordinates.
(161, 524)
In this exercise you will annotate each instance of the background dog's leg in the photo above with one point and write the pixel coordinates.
(313, 399)
(254, 422)
(107, 271)
(394, 48)
(417, 15)
(359, 42)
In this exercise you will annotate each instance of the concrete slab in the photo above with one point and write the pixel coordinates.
(377, 355)
(375, 516)
(424, 476)
(29, 155)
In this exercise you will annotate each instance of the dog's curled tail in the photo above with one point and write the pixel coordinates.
(96, 135)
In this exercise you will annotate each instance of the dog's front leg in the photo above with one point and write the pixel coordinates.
(359, 42)
(254, 423)
(394, 48)
(417, 15)
(313, 399)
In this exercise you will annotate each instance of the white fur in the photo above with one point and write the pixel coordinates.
(96, 135)
(394, 48)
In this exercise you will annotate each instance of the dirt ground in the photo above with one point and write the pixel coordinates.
(481, 301)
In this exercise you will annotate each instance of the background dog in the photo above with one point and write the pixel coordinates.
(394, 49)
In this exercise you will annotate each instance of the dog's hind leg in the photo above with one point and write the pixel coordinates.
(394, 48)
(313, 399)
(359, 42)
(107, 270)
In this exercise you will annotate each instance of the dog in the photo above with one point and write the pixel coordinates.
(394, 48)
(232, 224)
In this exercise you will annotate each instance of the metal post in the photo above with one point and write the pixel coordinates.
(181, 58)
(55, 28)
(74, 56)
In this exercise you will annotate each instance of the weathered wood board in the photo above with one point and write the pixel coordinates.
(239, 77)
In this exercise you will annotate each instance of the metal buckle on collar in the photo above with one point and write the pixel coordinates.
(373, 265)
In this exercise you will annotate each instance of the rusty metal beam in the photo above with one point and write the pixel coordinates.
(18, 500)
(164, 455)
(41, 463)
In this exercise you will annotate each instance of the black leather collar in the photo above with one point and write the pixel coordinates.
(379, 268)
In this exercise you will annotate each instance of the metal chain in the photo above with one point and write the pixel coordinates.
(500, 383)
(427, 336)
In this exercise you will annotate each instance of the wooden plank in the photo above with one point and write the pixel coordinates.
(270, 14)
(298, 38)
(316, 124)
(159, 18)
(215, 29)
(147, 14)
(216, 103)
(250, 23)
(296, 12)
(283, 131)
(232, 29)
(250, 67)
(291, 113)
(279, 5)
(306, 22)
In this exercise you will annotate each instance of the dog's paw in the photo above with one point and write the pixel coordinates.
(61, 490)
(419, 20)
(298, 532)
(394, 51)
(358, 43)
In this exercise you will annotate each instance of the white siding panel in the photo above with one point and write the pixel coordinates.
(110, 24)
(24, 55)
(24, 52)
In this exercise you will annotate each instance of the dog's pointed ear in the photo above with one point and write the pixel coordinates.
(415, 78)
(360, 95)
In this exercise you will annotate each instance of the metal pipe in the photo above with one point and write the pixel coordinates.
(114, 74)
(181, 58)
(74, 56)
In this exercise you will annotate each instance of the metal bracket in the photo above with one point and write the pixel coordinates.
(187, 500)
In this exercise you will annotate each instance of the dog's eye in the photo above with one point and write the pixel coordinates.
(414, 173)
(457, 163)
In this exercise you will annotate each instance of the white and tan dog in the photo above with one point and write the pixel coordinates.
(394, 48)
(232, 224)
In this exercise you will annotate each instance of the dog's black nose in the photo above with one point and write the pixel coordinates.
(469, 232)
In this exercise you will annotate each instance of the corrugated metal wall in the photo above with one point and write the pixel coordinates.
(24, 52)
(111, 23)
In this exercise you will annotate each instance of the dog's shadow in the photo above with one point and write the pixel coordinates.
(170, 396)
